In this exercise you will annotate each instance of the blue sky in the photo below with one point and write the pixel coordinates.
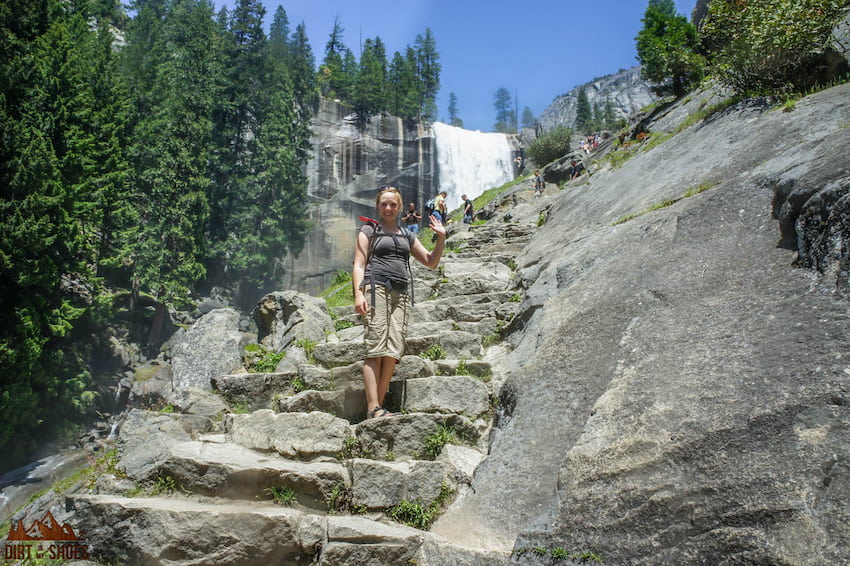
(537, 49)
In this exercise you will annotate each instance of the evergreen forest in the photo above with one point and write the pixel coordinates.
(149, 154)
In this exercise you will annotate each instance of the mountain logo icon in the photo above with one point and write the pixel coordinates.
(47, 528)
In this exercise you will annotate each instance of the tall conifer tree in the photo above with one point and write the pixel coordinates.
(172, 154)
(429, 68)
(370, 87)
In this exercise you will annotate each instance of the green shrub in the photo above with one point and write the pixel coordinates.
(435, 441)
(667, 49)
(260, 360)
(435, 352)
(416, 515)
(341, 276)
(550, 146)
(770, 46)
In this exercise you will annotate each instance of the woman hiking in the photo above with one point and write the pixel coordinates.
(383, 289)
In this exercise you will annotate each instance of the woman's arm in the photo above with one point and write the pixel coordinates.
(430, 259)
(361, 247)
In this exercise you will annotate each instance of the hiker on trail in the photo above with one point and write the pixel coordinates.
(467, 210)
(440, 207)
(539, 184)
(411, 218)
(383, 291)
(519, 165)
(575, 169)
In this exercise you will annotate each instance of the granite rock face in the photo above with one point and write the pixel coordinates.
(627, 91)
(349, 162)
(679, 387)
(212, 346)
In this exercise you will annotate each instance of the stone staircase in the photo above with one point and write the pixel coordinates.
(297, 475)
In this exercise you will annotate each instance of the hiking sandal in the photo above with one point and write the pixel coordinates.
(378, 412)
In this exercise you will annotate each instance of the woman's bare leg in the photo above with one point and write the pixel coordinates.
(384, 377)
(371, 373)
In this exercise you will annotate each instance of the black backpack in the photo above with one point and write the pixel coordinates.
(378, 232)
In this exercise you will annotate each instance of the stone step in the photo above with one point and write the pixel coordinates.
(460, 394)
(412, 435)
(301, 436)
(164, 530)
(218, 468)
(455, 344)
(455, 394)
(180, 531)
(466, 308)
(318, 436)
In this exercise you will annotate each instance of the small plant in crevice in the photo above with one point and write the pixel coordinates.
(541, 220)
(461, 368)
(339, 499)
(351, 448)
(282, 495)
(309, 346)
(435, 441)
(340, 324)
(559, 554)
(298, 384)
(260, 360)
(164, 484)
(416, 515)
(434, 353)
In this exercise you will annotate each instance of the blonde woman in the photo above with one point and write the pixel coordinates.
(383, 291)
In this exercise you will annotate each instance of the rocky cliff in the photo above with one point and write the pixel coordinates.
(679, 388)
(627, 91)
(348, 163)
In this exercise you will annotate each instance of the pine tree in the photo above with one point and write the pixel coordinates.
(112, 193)
(332, 82)
(301, 70)
(236, 116)
(528, 119)
(453, 117)
(504, 111)
(584, 113)
(276, 223)
(50, 173)
(279, 36)
(173, 154)
(370, 87)
(428, 68)
(403, 86)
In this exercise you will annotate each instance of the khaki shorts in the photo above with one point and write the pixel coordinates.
(386, 323)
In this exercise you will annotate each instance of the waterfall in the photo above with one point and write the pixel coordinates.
(470, 162)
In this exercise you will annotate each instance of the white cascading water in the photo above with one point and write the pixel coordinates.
(470, 162)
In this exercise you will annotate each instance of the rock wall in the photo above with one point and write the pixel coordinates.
(626, 90)
(678, 389)
(349, 162)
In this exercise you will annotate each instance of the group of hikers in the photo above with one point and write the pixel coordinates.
(438, 207)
